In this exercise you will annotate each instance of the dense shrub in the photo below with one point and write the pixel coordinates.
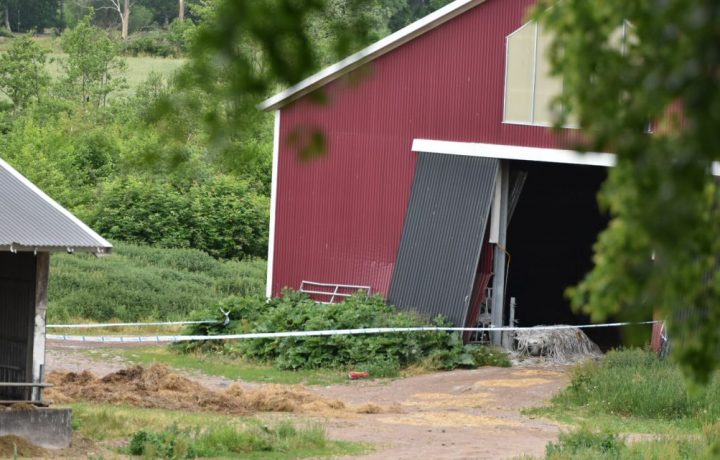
(637, 383)
(383, 354)
(172, 42)
(222, 216)
(143, 283)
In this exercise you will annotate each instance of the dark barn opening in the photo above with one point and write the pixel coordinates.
(17, 312)
(550, 239)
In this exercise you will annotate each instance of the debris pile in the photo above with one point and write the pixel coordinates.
(159, 387)
(560, 346)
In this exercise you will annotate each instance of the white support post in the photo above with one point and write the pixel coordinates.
(41, 300)
(273, 207)
(500, 214)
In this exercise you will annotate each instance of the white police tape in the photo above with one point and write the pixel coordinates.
(165, 323)
(224, 322)
(274, 335)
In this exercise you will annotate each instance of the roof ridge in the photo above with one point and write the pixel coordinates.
(369, 53)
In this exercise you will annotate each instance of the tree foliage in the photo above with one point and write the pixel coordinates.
(661, 248)
(93, 62)
(23, 76)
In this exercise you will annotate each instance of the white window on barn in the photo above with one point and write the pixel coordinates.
(529, 87)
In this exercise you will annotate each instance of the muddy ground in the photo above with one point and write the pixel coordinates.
(464, 414)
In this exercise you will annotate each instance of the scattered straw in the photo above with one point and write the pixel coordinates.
(511, 383)
(447, 401)
(536, 373)
(447, 419)
(556, 345)
(158, 387)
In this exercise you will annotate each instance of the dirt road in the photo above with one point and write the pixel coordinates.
(471, 414)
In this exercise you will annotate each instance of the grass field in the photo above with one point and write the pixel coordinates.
(138, 68)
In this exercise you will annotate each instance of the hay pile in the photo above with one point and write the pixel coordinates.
(14, 446)
(158, 387)
(561, 346)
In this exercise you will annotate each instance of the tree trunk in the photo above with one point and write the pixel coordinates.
(7, 18)
(181, 10)
(125, 19)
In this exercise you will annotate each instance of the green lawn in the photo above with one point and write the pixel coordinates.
(223, 366)
(207, 434)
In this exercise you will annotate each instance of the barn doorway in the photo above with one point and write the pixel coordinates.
(550, 239)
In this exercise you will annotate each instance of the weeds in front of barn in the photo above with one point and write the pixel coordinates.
(634, 392)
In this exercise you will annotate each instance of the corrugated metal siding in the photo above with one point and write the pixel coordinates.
(443, 235)
(340, 217)
(29, 220)
(17, 301)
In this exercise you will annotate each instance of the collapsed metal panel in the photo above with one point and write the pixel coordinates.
(443, 235)
(17, 304)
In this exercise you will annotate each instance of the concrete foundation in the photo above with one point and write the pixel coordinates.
(48, 428)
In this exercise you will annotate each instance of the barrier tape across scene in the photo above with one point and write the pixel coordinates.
(321, 333)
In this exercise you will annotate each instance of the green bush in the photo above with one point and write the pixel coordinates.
(381, 354)
(637, 383)
(222, 216)
(142, 283)
(172, 42)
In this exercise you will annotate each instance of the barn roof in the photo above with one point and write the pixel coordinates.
(32, 221)
(370, 53)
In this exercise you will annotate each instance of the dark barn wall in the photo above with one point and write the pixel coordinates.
(340, 217)
(17, 307)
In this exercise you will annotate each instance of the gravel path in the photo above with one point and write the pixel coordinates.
(468, 414)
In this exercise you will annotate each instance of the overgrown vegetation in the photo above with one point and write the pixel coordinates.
(146, 283)
(381, 354)
(635, 383)
(635, 391)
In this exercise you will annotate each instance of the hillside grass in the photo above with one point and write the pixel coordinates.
(142, 283)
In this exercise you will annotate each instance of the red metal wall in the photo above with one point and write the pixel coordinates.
(339, 218)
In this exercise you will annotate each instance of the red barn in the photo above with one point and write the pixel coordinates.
(441, 185)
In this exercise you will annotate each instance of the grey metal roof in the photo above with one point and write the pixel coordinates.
(32, 221)
(443, 235)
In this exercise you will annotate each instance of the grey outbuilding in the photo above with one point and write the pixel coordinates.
(32, 226)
